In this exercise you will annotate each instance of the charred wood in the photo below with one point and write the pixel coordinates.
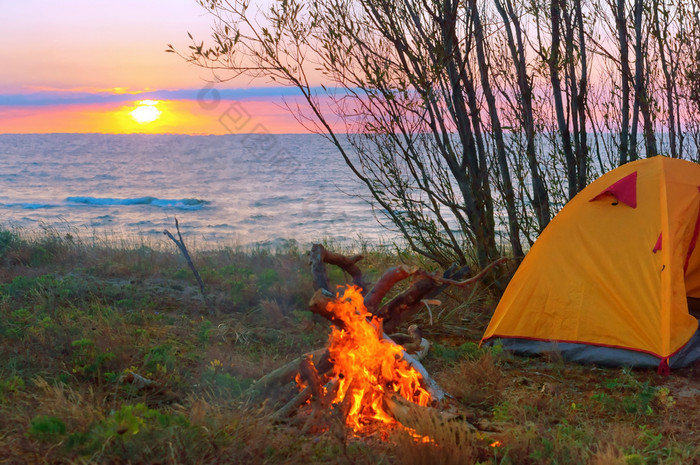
(293, 405)
(309, 375)
(319, 305)
(282, 375)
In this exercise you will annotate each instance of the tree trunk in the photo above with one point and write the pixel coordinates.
(553, 62)
(642, 98)
(581, 100)
(660, 39)
(514, 34)
(469, 171)
(626, 75)
(501, 156)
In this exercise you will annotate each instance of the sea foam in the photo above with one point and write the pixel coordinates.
(183, 204)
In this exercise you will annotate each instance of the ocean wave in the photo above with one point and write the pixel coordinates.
(29, 205)
(183, 204)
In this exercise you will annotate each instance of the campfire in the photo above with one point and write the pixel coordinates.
(367, 365)
(363, 374)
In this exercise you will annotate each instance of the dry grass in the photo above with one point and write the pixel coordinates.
(475, 383)
(76, 315)
(446, 442)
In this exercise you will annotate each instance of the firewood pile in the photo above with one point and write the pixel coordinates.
(364, 375)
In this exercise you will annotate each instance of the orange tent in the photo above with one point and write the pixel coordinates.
(607, 281)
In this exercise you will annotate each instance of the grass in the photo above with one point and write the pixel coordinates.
(78, 317)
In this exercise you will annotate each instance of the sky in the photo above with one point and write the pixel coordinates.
(88, 66)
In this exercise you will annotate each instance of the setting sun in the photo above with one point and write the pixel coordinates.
(146, 112)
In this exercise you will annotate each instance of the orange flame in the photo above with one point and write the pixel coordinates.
(367, 365)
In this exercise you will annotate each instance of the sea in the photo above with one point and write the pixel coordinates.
(236, 190)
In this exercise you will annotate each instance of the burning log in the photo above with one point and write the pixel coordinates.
(368, 364)
(436, 393)
(319, 305)
(302, 397)
(319, 397)
(365, 364)
(308, 374)
(282, 375)
(313, 390)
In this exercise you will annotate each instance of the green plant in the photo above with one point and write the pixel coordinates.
(18, 323)
(8, 241)
(501, 411)
(267, 278)
(10, 385)
(468, 351)
(160, 359)
(133, 430)
(87, 359)
(46, 428)
(225, 384)
(203, 332)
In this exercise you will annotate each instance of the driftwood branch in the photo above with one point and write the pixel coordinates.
(403, 306)
(467, 282)
(347, 264)
(387, 281)
(319, 256)
(181, 245)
